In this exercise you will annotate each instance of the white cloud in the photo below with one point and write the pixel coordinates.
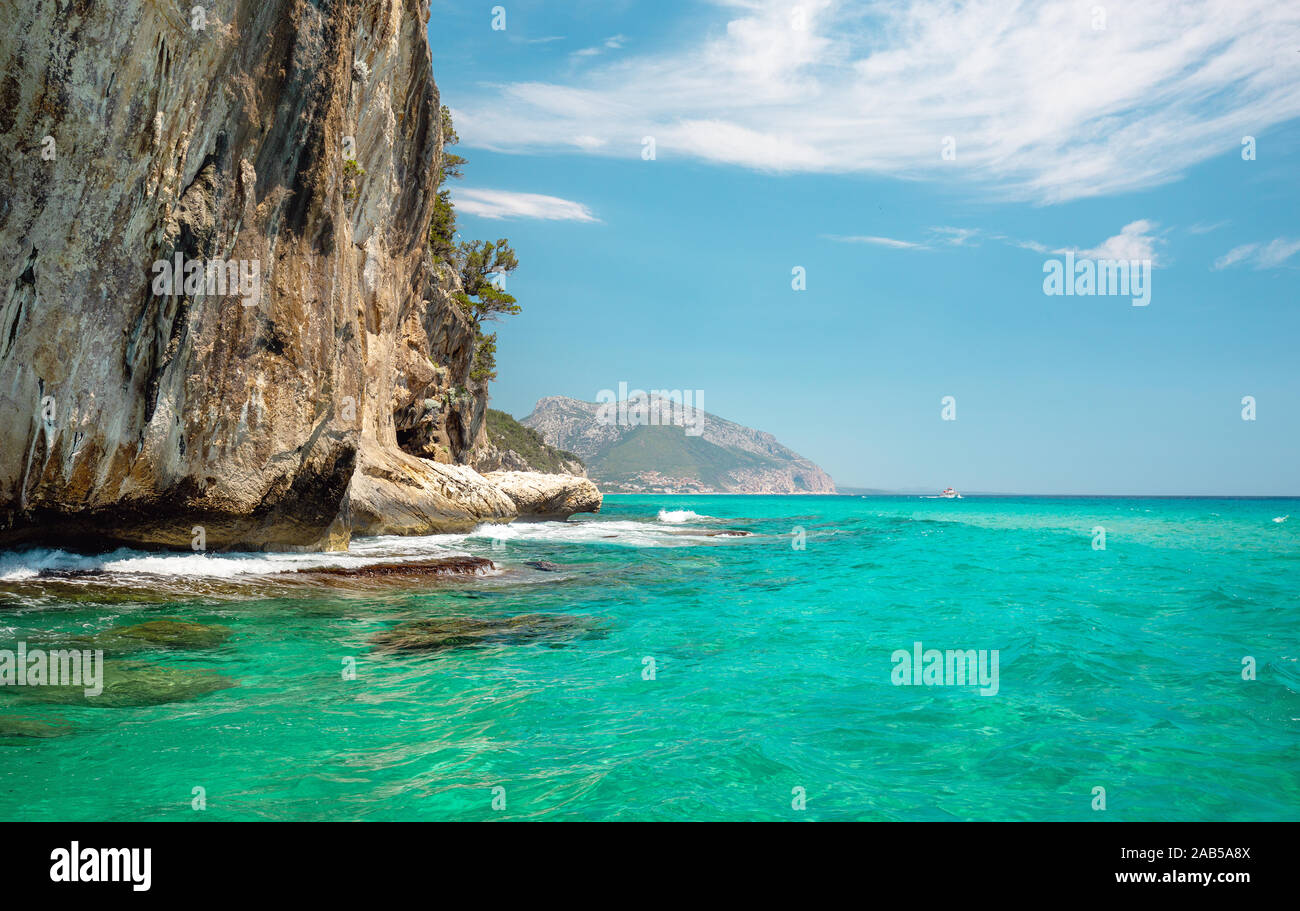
(1134, 241)
(1041, 105)
(1266, 256)
(508, 204)
(956, 237)
(612, 43)
(1234, 256)
(877, 241)
(1278, 252)
(1033, 245)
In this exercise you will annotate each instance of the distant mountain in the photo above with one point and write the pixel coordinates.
(716, 456)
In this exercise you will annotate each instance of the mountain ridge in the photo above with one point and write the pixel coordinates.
(629, 446)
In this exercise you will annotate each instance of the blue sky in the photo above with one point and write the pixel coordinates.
(813, 135)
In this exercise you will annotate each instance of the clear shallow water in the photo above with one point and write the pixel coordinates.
(1118, 668)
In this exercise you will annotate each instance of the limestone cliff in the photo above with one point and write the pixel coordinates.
(309, 377)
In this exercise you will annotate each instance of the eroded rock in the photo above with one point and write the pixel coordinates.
(413, 569)
(547, 496)
(395, 493)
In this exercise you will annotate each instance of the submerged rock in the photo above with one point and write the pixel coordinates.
(414, 569)
(547, 496)
(129, 683)
(159, 634)
(475, 632)
(15, 727)
(545, 566)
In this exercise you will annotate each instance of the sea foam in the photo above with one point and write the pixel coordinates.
(678, 516)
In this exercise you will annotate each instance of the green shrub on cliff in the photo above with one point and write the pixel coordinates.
(507, 433)
(352, 174)
(481, 265)
(485, 358)
(442, 230)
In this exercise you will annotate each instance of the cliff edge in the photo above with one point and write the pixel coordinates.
(218, 314)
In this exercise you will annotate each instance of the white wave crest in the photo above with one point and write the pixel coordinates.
(19, 565)
(625, 532)
(678, 516)
(16, 566)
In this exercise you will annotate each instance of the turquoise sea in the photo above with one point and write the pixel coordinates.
(693, 675)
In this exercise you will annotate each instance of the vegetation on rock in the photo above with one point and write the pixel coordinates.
(481, 265)
(507, 434)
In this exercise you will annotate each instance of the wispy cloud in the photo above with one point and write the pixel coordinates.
(1277, 252)
(612, 43)
(508, 204)
(957, 237)
(1136, 240)
(1260, 256)
(1234, 256)
(876, 241)
(1032, 245)
(940, 236)
(1040, 104)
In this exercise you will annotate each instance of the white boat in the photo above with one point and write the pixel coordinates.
(950, 494)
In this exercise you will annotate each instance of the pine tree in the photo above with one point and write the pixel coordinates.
(482, 265)
(442, 230)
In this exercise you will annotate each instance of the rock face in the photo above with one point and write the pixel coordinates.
(654, 445)
(394, 493)
(218, 316)
(547, 496)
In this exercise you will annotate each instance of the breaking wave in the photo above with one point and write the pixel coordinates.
(678, 516)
